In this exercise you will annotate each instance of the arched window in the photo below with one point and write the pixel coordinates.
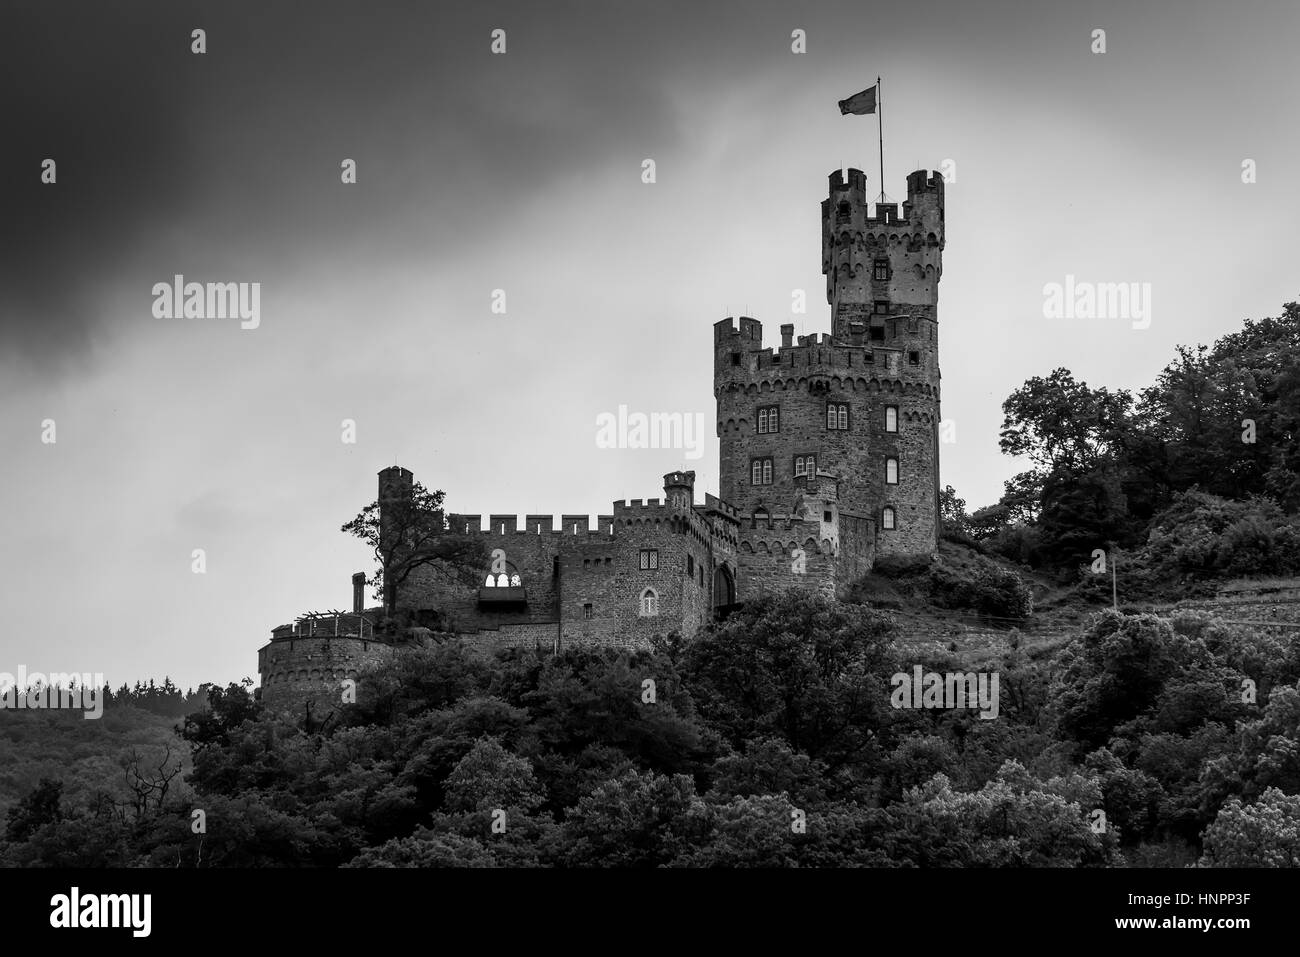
(891, 418)
(649, 603)
(887, 518)
(891, 471)
(506, 579)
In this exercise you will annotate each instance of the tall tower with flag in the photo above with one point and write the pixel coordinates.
(829, 445)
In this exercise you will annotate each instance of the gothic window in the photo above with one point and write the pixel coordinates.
(887, 518)
(880, 269)
(769, 419)
(805, 465)
(649, 603)
(891, 471)
(891, 418)
(837, 415)
(649, 559)
(761, 471)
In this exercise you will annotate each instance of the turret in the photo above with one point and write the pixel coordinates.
(886, 264)
(679, 490)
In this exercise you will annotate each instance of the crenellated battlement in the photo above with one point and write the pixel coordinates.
(507, 523)
(902, 358)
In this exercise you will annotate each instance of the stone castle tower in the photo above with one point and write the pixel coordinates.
(829, 457)
(829, 445)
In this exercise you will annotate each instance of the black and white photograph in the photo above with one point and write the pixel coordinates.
(692, 439)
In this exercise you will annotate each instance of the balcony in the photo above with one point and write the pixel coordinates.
(503, 597)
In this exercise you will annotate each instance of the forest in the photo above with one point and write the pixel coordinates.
(770, 740)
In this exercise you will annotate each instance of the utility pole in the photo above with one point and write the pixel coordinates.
(1114, 588)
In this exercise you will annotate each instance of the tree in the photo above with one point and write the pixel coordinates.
(800, 666)
(1263, 834)
(38, 808)
(409, 532)
(952, 513)
(1062, 424)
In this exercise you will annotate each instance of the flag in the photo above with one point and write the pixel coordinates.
(860, 103)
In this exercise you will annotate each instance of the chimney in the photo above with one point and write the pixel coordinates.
(359, 592)
(787, 335)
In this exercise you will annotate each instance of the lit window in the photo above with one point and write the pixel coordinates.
(491, 582)
(891, 471)
(649, 559)
(887, 518)
(891, 418)
(837, 415)
(649, 603)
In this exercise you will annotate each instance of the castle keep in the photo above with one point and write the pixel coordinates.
(828, 457)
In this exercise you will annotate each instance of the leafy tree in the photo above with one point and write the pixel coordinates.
(799, 666)
(410, 532)
(38, 808)
(1263, 834)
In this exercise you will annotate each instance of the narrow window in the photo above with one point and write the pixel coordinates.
(887, 518)
(690, 565)
(891, 471)
(762, 421)
(891, 418)
(587, 611)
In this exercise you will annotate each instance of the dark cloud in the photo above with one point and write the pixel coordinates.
(163, 153)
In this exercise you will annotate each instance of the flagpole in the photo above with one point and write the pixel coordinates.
(880, 127)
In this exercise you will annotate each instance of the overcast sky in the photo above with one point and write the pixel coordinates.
(522, 172)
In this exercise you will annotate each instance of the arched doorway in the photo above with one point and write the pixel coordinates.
(724, 591)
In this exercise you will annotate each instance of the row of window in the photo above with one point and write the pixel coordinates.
(760, 469)
(768, 418)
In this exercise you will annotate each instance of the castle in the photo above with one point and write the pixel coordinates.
(829, 456)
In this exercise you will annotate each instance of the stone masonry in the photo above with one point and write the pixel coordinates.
(829, 457)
